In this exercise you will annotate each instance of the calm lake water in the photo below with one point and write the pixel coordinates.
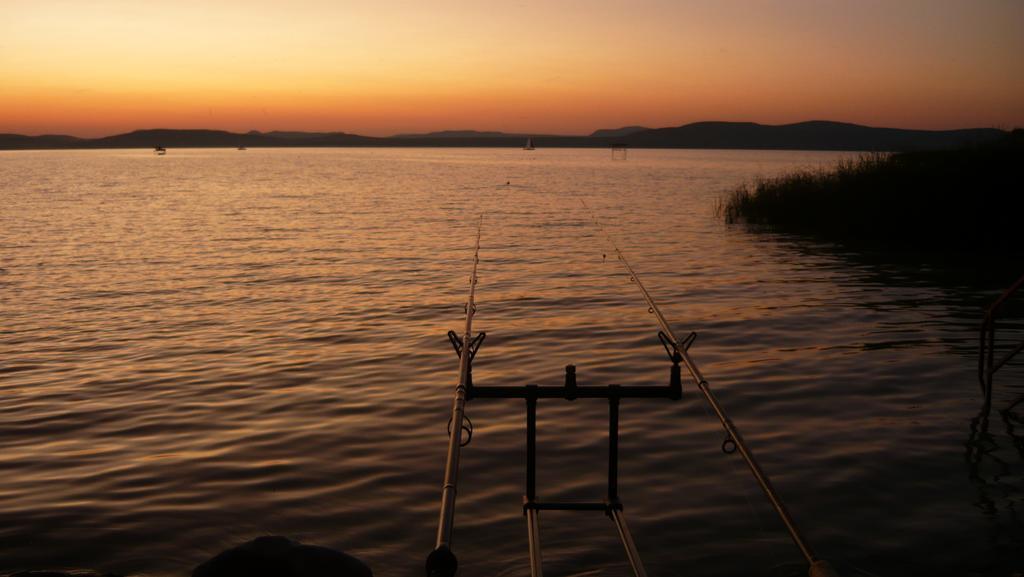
(210, 346)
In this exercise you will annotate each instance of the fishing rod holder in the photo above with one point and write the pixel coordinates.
(610, 505)
(474, 346)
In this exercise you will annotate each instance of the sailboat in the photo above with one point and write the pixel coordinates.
(529, 143)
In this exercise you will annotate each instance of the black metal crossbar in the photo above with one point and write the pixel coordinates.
(570, 391)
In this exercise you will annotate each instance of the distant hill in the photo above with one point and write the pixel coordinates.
(461, 134)
(22, 142)
(300, 135)
(814, 135)
(617, 132)
(199, 138)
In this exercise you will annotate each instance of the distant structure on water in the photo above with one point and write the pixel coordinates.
(619, 150)
(159, 151)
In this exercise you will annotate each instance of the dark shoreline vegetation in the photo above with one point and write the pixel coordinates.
(967, 200)
(812, 135)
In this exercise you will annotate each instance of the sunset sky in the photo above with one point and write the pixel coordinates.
(379, 67)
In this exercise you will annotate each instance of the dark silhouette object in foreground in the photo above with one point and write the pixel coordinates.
(76, 573)
(988, 364)
(994, 462)
(275, 556)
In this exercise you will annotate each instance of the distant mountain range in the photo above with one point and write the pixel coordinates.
(617, 132)
(813, 135)
(463, 134)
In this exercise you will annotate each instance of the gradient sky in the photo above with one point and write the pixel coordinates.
(379, 67)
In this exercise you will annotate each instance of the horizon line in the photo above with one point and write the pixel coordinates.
(502, 132)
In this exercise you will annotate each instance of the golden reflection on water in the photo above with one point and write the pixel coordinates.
(210, 346)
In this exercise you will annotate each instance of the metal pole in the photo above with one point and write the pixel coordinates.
(627, 542)
(982, 356)
(442, 562)
(613, 449)
(531, 448)
(989, 368)
(533, 530)
(532, 514)
(705, 388)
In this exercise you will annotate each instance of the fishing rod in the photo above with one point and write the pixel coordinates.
(442, 562)
(818, 567)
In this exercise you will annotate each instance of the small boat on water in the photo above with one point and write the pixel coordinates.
(529, 144)
(242, 147)
(159, 151)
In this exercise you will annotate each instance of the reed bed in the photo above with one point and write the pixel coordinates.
(969, 199)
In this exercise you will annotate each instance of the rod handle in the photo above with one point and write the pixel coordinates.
(442, 563)
(822, 568)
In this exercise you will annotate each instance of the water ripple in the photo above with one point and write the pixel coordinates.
(209, 346)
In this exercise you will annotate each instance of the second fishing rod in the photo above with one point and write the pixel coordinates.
(442, 561)
(818, 567)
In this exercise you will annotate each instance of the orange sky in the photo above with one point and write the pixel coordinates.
(379, 67)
